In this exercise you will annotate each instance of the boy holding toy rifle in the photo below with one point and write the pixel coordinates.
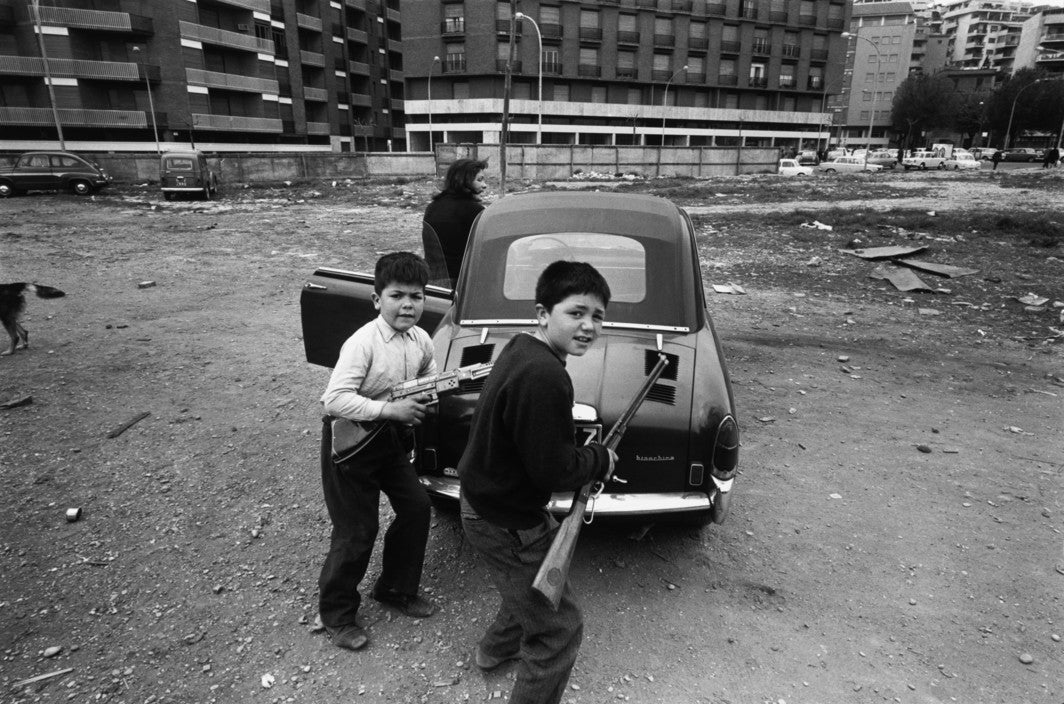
(521, 449)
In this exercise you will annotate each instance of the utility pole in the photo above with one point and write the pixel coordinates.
(504, 133)
(47, 71)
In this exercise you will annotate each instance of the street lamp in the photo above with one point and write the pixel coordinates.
(151, 103)
(665, 100)
(539, 91)
(875, 83)
(435, 60)
(1012, 112)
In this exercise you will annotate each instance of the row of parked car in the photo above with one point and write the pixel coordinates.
(180, 172)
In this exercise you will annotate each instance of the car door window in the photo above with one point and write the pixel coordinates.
(38, 161)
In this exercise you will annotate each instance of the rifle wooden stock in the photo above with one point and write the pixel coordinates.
(553, 573)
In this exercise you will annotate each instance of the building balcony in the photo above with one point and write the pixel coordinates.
(395, 74)
(503, 27)
(223, 37)
(361, 100)
(761, 47)
(835, 23)
(779, 16)
(626, 72)
(358, 67)
(651, 4)
(627, 37)
(589, 71)
(697, 44)
(97, 19)
(552, 68)
(454, 63)
(231, 81)
(1053, 37)
(682, 5)
(728, 79)
(757, 82)
(317, 95)
(591, 34)
(453, 26)
(318, 128)
(820, 55)
(236, 123)
(550, 31)
(792, 50)
(689, 77)
(500, 66)
(664, 40)
(358, 4)
(807, 20)
(357, 35)
(748, 13)
(730, 47)
(815, 82)
(262, 6)
(788, 82)
(309, 22)
(73, 117)
(312, 58)
(75, 68)
(716, 9)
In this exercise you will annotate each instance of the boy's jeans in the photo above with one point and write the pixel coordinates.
(526, 625)
(352, 495)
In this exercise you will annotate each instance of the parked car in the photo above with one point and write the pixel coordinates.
(1022, 154)
(52, 171)
(186, 172)
(848, 164)
(792, 167)
(680, 453)
(924, 159)
(961, 159)
(885, 158)
(984, 153)
(808, 158)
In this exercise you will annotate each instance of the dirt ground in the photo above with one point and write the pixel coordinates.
(895, 533)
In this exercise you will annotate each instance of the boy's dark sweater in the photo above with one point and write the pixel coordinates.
(522, 444)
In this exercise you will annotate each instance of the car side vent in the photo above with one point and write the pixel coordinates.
(476, 354)
(662, 394)
(650, 358)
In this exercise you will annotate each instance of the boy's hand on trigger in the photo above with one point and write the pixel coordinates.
(406, 410)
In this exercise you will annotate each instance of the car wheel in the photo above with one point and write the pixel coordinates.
(6, 189)
(956, 167)
(941, 166)
(80, 187)
(829, 171)
(923, 166)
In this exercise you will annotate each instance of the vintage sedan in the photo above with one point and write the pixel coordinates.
(187, 172)
(52, 171)
(792, 167)
(848, 164)
(960, 160)
(1022, 154)
(679, 456)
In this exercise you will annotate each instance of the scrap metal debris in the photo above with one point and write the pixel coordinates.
(16, 402)
(729, 288)
(947, 270)
(128, 424)
(816, 224)
(872, 253)
(903, 279)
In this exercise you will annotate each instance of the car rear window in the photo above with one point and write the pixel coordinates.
(624, 267)
(177, 164)
(66, 161)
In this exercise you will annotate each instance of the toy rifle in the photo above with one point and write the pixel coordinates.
(349, 437)
(550, 580)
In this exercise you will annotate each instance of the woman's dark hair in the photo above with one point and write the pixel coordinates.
(562, 279)
(460, 177)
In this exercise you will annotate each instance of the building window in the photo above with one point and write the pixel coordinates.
(870, 77)
(453, 19)
(635, 96)
(551, 63)
(727, 67)
(550, 15)
(455, 61)
(696, 68)
(598, 94)
(561, 92)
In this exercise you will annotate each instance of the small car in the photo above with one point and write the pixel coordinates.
(791, 167)
(680, 454)
(186, 172)
(848, 164)
(984, 153)
(960, 160)
(1022, 154)
(52, 171)
(885, 158)
(924, 159)
(808, 158)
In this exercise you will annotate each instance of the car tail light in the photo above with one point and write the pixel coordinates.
(726, 450)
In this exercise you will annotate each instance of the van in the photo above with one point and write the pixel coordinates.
(186, 172)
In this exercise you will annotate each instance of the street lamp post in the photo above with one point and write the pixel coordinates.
(151, 102)
(47, 71)
(665, 100)
(1012, 112)
(539, 89)
(875, 83)
(435, 60)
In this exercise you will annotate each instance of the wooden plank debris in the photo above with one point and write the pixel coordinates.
(947, 270)
(46, 676)
(902, 279)
(128, 424)
(884, 252)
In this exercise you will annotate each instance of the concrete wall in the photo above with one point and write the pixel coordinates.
(524, 162)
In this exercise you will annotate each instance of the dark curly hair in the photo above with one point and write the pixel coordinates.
(460, 177)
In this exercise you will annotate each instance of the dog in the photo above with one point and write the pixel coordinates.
(12, 302)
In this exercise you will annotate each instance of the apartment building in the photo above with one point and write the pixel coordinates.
(220, 74)
(984, 33)
(647, 72)
(1041, 42)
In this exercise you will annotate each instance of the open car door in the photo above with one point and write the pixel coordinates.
(334, 303)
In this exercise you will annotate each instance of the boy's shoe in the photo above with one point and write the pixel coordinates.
(350, 637)
(412, 606)
(487, 663)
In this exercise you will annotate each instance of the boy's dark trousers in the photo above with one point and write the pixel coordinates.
(547, 641)
(352, 496)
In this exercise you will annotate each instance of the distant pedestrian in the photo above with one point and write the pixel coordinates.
(901, 154)
(1050, 159)
(996, 158)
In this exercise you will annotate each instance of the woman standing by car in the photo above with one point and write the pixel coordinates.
(453, 210)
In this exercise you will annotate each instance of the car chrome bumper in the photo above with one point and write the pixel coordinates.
(607, 504)
(181, 189)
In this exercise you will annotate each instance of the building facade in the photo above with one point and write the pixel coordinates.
(645, 72)
(221, 74)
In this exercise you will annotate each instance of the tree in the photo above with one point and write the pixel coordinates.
(922, 102)
(969, 115)
(1030, 99)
